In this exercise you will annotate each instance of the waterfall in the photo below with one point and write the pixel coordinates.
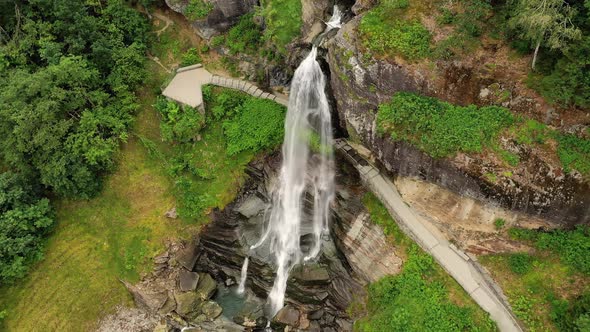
(308, 116)
(304, 170)
(242, 285)
(335, 21)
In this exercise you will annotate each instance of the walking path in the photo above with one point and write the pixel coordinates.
(186, 87)
(468, 273)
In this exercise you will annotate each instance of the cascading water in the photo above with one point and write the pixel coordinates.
(242, 285)
(308, 111)
(303, 170)
(335, 21)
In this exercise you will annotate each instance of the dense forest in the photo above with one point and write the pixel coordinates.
(68, 72)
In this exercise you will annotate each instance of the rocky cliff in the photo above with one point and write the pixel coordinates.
(318, 293)
(537, 186)
(223, 15)
(359, 83)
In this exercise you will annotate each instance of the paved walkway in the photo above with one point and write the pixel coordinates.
(468, 273)
(186, 86)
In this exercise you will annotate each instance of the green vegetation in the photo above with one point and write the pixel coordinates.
(384, 34)
(532, 132)
(283, 21)
(520, 263)
(548, 289)
(571, 246)
(439, 128)
(179, 123)
(98, 241)
(422, 297)
(499, 223)
(113, 235)
(68, 74)
(24, 220)
(545, 294)
(208, 171)
(244, 37)
(191, 57)
(258, 125)
(562, 40)
(469, 19)
(198, 9)
(545, 22)
(574, 153)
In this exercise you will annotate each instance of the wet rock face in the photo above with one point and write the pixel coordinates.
(318, 293)
(359, 86)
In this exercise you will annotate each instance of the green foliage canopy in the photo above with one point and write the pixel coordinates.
(66, 95)
(385, 35)
(24, 220)
(439, 128)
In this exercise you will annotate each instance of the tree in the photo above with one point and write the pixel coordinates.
(24, 220)
(546, 22)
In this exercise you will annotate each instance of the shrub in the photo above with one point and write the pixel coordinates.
(217, 41)
(258, 125)
(520, 263)
(572, 246)
(244, 37)
(574, 153)
(225, 104)
(198, 9)
(191, 57)
(439, 128)
(499, 223)
(180, 124)
(25, 219)
(532, 132)
(575, 315)
(386, 36)
(283, 21)
(410, 301)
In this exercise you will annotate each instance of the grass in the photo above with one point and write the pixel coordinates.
(535, 292)
(423, 297)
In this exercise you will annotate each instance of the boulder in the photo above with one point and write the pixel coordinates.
(188, 280)
(251, 206)
(287, 316)
(206, 286)
(311, 274)
(169, 305)
(171, 213)
(211, 310)
(147, 299)
(187, 303)
(189, 255)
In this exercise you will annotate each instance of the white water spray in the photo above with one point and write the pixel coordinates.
(308, 118)
(308, 122)
(335, 21)
(242, 285)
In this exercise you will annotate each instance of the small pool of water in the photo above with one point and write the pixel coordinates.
(233, 305)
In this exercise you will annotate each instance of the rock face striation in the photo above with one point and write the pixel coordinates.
(538, 186)
(193, 285)
(318, 293)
